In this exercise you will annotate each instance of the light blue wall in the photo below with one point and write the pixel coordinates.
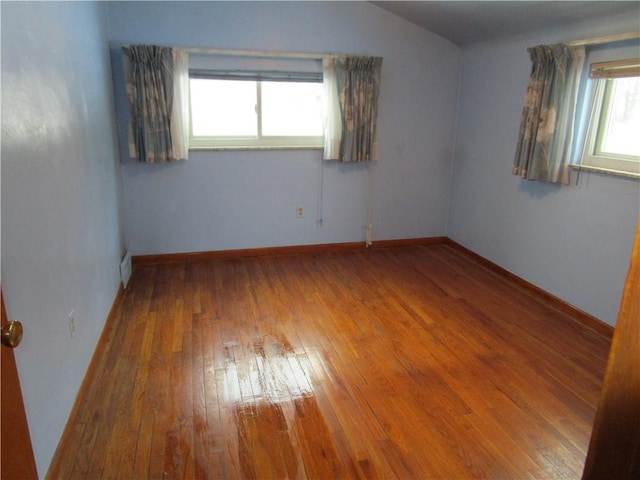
(228, 200)
(61, 235)
(572, 241)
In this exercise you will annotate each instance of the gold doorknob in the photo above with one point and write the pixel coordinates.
(11, 334)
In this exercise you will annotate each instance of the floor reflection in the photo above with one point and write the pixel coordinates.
(266, 371)
(280, 428)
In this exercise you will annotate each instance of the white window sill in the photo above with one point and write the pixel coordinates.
(606, 171)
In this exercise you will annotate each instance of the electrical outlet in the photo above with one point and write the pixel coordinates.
(72, 323)
(299, 212)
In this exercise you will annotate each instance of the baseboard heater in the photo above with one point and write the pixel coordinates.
(125, 269)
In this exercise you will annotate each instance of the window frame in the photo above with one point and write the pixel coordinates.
(260, 141)
(603, 75)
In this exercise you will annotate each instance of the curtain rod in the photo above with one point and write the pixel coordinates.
(602, 40)
(259, 53)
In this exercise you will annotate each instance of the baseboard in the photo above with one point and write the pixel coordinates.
(580, 316)
(408, 242)
(55, 467)
(285, 250)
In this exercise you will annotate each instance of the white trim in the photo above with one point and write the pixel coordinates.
(619, 37)
(259, 53)
(605, 171)
(256, 53)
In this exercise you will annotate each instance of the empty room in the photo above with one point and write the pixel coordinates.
(320, 239)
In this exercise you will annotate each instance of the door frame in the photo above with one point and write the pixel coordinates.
(17, 459)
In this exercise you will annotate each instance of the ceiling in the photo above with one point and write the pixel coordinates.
(466, 22)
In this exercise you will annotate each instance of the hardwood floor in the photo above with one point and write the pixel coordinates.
(391, 363)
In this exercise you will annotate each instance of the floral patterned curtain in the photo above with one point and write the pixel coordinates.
(546, 130)
(358, 82)
(149, 76)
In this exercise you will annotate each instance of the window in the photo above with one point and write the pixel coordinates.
(613, 138)
(255, 109)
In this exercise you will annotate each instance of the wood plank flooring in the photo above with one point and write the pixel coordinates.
(387, 363)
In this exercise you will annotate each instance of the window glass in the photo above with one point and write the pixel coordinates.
(239, 109)
(620, 124)
(291, 109)
(223, 108)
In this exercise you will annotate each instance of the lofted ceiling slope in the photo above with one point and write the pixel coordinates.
(467, 22)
